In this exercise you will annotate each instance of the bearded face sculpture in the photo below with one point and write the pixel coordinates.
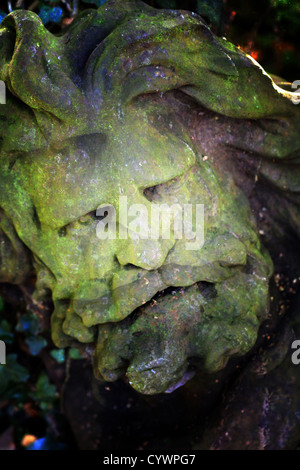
(145, 105)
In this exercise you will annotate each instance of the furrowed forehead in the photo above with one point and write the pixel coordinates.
(74, 177)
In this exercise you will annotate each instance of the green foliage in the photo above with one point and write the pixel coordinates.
(35, 344)
(97, 3)
(75, 354)
(278, 3)
(23, 379)
(28, 325)
(2, 15)
(45, 393)
(11, 374)
(211, 10)
(58, 355)
(51, 14)
(6, 333)
(287, 10)
(24, 383)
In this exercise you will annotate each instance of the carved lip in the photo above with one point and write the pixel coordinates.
(129, 291)
(122, 301)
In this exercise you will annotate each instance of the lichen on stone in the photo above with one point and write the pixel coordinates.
(96, 116)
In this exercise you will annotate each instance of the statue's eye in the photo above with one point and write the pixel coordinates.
(155, 192)
(78, 224)
(88, 218)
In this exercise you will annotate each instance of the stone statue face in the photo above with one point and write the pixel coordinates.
(148, 304)
(151, 308)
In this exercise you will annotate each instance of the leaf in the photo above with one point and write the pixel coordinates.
(75, 354)
(5, 332)
(11, 372)
(5, 326)
(15, 372)
(28, 323)
(58, 355)
(36, 344)
(48, 14)
(45, 392)
(98, 3)
(211, 10)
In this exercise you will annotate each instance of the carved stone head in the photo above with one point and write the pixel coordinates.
(132, 108)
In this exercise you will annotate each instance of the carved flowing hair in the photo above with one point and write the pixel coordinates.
(65, 86)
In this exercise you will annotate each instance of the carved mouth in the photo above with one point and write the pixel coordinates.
(81, 318)
(154, 343)
(150, 324)
(151, 329)
(130, 290)
(207, 289)
(101, 301)
(125, 302)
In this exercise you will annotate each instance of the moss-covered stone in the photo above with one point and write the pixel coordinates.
(94, 119)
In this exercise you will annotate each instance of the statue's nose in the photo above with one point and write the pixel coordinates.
(145, 243)
(147, 254)
(140, 246)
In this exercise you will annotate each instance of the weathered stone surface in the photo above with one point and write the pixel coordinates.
(150, 105)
